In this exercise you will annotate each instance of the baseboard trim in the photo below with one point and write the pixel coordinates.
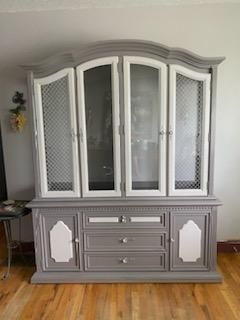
(121, 277)
(222, 246)
(27, 248)
(230, 246)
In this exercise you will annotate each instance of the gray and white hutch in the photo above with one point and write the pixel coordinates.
(123, 137)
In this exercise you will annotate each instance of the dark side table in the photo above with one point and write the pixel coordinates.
(8, 213)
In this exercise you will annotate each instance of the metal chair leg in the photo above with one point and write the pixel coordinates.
(8, 234)
(19, 243)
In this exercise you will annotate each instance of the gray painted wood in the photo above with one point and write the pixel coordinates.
(99, 248)
(212, 130)
(125, 241)
(124, 220)
(122, 47)
(138, 277)
(125, 203)
(201, 219)
(125, 261)
(48, 221)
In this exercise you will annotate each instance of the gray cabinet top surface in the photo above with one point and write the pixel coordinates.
(139, 202)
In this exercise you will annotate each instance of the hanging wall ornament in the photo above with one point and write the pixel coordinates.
(18, 119)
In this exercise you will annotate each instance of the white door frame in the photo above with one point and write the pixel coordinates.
(45, 193)
(113, 62)
(127, 61)
(205, 78)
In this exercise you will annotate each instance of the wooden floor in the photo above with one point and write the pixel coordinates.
(21, 300)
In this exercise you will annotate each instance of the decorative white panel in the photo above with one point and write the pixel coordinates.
(190, 242)
(145, 219)
(103, 219)
(61, 242)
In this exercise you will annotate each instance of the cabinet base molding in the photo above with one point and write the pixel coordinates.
(137, 277)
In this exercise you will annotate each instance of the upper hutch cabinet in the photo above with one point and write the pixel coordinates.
(56, 133)
(134, 124)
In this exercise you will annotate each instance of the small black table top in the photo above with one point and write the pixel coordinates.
(12, 211)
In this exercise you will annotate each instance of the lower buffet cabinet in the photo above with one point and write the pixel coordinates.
(125, 244)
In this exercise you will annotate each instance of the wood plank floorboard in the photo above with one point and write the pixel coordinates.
(21, 300)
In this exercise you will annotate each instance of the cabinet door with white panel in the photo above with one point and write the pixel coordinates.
(62, 244)
(189, 240)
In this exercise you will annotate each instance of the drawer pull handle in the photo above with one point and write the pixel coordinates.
(123, 219)
(124, 260)
(124, 240)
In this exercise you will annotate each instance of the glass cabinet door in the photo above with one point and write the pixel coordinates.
(56, 134)
(145, 126)
(188, 131)
(98, 95)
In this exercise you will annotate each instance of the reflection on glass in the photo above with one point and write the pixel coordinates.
(144, 127)
(58, 143)
(99, 126)
(189, 97)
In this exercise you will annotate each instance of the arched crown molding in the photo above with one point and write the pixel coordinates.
(123, 47)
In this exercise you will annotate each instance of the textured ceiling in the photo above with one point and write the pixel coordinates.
(43, 5)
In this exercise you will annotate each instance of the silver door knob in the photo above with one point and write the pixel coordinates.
(76, 240)
(124, 260)
(172, 240)
(162, 132)
(123, 219)
(124, 240)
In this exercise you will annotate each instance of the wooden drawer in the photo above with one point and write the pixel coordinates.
(108, 241)
(125, 261)
(105, 220)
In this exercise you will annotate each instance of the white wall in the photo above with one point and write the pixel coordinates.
(207, 30)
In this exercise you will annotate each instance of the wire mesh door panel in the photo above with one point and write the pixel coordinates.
(188, 134)
(58, 135)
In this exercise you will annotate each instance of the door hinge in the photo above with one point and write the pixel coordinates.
(120, 67)
(33, 90)
(121, 129)
(122, 185)
(35, 135)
